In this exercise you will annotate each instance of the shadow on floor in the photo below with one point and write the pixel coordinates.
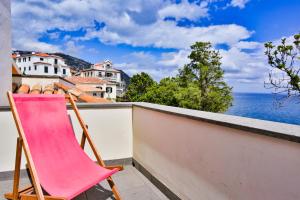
(99, 192)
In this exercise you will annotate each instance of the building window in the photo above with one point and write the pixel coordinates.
(46, 69)
(35, 67)
(94, 94)
(109, 74)
(19, 59)
(24, 59)
(100, 74)
(41, 59)
(24, 69)
(20, 68)
(55, 70)
(64, 71)
(29, 68)
(55, 61)
(109, 90)
(102, 94)
(29, 58)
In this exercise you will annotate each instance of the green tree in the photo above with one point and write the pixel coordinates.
(139, 84)
(285, 62)
(206, 73)
(199, 85)
(169, 92)
(163, 93)
(189, 96)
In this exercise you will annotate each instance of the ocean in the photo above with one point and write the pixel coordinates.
(266, 107)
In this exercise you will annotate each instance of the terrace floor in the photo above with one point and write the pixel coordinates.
(130, 182)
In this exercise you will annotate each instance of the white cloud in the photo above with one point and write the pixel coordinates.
(165, 34)
(158, 67)
(248, 45)
(239, 3)
(244, 67)
(123, 22)
(175, 59)
(187, 10)
(72, 48)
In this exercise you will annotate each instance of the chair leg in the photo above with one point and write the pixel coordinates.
(15, 194)
(26, 190)
(35, 197)
(113, 188)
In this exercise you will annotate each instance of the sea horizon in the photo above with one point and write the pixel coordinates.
(265, 106)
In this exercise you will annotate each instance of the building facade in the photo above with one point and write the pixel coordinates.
(105, 71)
(41, 64)
(95, 86)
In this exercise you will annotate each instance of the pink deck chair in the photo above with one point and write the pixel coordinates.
(57, 163)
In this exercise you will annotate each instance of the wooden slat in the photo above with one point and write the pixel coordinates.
(26, 190)
(35, 197)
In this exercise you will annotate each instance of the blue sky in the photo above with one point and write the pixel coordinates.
(154, 36)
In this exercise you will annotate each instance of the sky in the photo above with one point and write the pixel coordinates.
(154, 36)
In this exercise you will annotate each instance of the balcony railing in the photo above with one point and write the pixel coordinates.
(110, 78)
(189, 154)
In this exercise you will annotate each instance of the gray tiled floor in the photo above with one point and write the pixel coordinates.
(130, 182)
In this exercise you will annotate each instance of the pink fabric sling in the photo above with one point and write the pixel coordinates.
(63, 168)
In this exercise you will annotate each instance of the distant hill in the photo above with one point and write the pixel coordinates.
(75, 63)
(125, 77)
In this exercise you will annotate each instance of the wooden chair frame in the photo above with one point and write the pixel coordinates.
(27, 193)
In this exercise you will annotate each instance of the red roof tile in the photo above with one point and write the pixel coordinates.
(41, 54)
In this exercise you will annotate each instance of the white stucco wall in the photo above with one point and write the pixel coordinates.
(28, 67)
(5, 50)
(43, 81)
(110, 128)
(201, 160)
(31, 81)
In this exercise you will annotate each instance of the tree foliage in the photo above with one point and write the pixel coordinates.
(205, 71)
(138, 86)
(285, 62)
(199, 85)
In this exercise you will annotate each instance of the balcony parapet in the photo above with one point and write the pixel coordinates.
(284, 131)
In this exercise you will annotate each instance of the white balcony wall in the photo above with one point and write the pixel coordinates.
(200, 160)
(110, 127)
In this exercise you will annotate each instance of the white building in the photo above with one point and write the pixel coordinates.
(41, 64)
(105, 71)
